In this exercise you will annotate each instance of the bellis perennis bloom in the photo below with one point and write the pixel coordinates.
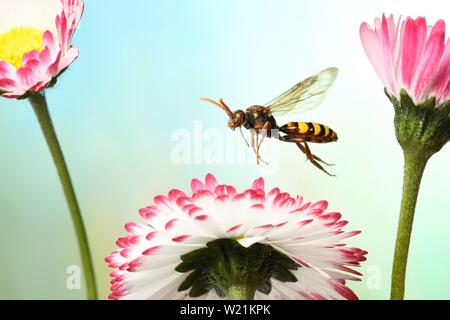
(413, 61)
(219, 243)
(409, 54)
(35, 43)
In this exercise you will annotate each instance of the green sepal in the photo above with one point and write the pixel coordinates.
(225, 264)
(283, 274)
(395, 102)
(200, 287)
(27, 95)
(445, 108)
(265, 287)
(189, 281)
(191, 260)
(421, 129)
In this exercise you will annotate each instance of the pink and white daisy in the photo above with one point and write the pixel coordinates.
(35, 43)
(411, 55)
(413, 61)
(178, 224)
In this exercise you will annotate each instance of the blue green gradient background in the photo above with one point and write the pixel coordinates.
(142, 67)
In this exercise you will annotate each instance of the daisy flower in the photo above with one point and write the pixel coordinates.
(221, 243)
(411, 55)
(413, 61)
(36, 43)
(35, 48)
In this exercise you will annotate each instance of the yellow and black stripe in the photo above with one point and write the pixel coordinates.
(310, 131)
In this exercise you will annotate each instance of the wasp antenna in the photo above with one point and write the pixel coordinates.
(224, 104)
(212, 101)
(221, 105)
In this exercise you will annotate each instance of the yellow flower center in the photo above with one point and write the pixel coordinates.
(17, 42)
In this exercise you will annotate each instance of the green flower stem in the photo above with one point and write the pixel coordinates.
(422, 130)
(413, 172)
(40, 107)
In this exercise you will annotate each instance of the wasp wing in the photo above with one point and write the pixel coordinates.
(304, 96)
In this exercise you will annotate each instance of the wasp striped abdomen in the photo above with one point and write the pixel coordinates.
(310, 131)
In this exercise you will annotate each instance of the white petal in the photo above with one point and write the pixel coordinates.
(40, 14)
(247, 242)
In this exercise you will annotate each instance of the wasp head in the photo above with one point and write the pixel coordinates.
(236, 119)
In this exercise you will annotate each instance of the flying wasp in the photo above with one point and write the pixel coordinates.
(260, 120)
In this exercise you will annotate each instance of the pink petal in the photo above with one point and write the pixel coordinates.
(41, 85)
(374, 50)
(14, 94)
(387, 42)
(443, 77)
(67, 21)
(70, 56)
(7, 70)
(258, 184)
(446, 93)
(398, 51)
(344, 291)
(32, 55)
(211, 182)
(7, 84)
(53, 69)
(73, 10)
(61, 26)
(33, 64)
(181, 238)
(45, 57)
(27, 77)
(197, 185)
(48, 41)
(391, 29)
(429, 61)
(409, 52)
(422, 35)
(321, 205)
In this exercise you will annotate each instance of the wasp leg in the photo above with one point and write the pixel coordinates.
(314, 156)
(266, 127)
(298, 141)
(253, 144)
(243, 137)
(310, 157)
(258, 145)
(305, 149)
